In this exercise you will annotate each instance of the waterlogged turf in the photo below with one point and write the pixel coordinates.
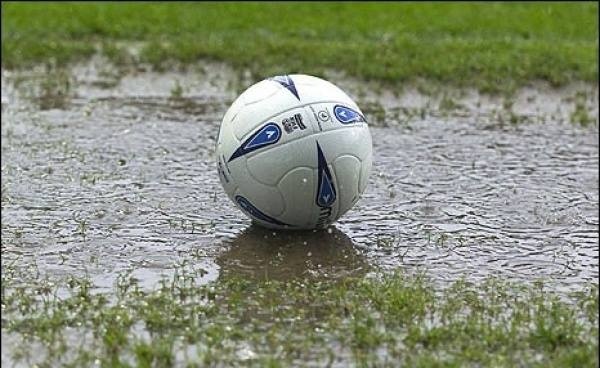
(386, 321)
(495, 47)
(119, 246)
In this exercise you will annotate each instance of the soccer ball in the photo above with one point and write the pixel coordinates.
(294, 152)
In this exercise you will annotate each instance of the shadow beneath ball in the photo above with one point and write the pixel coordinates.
(261, 254)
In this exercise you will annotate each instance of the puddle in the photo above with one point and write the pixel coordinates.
(121, 176)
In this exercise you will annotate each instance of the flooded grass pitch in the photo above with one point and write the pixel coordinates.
(116, 232)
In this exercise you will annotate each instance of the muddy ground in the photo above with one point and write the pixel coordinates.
(103, 173)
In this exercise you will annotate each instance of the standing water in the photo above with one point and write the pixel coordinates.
(110, 176)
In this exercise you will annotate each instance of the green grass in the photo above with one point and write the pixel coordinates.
(493, 46)
(391, 320)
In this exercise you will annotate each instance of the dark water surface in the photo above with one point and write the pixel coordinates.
(123, 178)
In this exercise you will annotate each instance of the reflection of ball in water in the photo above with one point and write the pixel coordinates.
(259, 253)
(294, 152)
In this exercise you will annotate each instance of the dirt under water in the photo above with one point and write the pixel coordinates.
(116, 174)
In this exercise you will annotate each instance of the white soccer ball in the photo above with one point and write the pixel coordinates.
(294, 152)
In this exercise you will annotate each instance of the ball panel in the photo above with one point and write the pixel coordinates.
(253, 115)
(225, 176)
(269, 166)
(365, 171)
(233, 110)
(258, 92)
(354, 141)
(361, 135)
(227, 142)
(266, 197)
(347, 170)
(312, 89)
(298, 189)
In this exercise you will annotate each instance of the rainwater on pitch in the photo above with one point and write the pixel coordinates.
(119, 175)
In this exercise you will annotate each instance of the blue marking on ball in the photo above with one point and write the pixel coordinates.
(346, 115)
(269, 134)
(287, 82)
(250, 209)
(326, 194)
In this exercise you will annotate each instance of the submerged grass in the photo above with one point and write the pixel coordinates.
(386, 321)
(491, 46)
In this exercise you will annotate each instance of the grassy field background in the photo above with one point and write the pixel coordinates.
(491, 46)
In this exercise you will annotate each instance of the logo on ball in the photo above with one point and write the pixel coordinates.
(346, 115)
